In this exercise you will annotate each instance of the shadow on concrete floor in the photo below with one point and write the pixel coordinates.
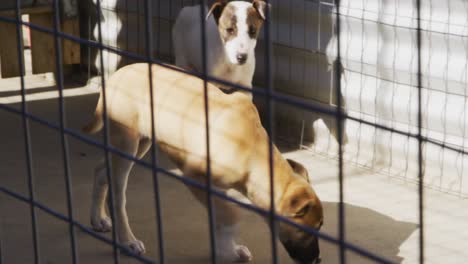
(367, 229)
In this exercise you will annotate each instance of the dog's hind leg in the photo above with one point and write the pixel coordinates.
(227, 216)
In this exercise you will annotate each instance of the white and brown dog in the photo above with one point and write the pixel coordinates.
(239, 156)
(232, 29)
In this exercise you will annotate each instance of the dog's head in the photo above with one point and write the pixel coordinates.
(301, 205)
(239, 24)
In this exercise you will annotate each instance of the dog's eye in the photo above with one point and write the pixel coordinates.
(252, 31)
(303, 211)
(230, 30)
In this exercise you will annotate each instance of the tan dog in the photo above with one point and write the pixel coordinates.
(238, 148)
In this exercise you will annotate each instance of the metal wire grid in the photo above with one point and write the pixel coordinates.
(373, 145)
(269, 93)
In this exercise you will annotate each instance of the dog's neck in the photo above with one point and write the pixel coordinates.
(259, 181)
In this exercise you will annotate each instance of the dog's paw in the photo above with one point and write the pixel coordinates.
(102, 224)
(236, 254)
(243, 254)
(136, 247)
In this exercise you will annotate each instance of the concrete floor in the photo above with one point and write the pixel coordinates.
(381, 212)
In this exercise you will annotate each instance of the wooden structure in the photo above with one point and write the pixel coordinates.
(42, 44)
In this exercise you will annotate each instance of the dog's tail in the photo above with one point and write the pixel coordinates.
(97, 123)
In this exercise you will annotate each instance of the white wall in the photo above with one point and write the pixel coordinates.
(379, 53)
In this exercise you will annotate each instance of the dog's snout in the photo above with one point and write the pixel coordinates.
(304, 251)
(241, 58)
(316, 261)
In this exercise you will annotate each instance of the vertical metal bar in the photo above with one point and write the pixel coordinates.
(460, 190)
(1, 244)
(301, 139)
(339, 118)
(171, 23)
(66, 165)
(211, 212)
(361, 88)
(290, 29)
(106, 138)
(394, 87)
(269, 126)
(444, 114)
(89, 39)
(420, 139)
(138, 48)
(158, 35)
(319, 46)
(378, 116)
(319, 26)
(149, 54)
(26, 134)
(127, 29)
(408, 108)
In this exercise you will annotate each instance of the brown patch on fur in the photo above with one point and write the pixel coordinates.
(255, 22)
(228, 24)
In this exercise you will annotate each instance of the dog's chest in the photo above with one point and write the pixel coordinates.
(236, 74)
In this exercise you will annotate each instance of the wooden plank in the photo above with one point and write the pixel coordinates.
(71, 49)
(28, 10)
(42, 44)
(8, 50)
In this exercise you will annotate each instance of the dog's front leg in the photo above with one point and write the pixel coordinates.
(100, 221)
(227, 218)
(127, 141)
(121, 169)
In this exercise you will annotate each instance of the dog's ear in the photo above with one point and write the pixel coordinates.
(261, 7)
(216, 9)
(299, 169)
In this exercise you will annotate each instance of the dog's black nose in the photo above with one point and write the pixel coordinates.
(241, 58)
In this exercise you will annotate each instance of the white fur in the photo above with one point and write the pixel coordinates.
(221, 61)
(242, 43)
(227, 248)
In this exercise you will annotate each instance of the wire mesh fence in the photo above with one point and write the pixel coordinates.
(382, 59)
(380, 85)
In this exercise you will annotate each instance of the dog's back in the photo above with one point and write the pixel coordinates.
(179, 116)
(238, 146)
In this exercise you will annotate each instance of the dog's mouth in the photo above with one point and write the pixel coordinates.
(304, 250)
(316, 261)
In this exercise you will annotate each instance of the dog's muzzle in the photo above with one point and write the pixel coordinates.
(317, 261)
(304, 253)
